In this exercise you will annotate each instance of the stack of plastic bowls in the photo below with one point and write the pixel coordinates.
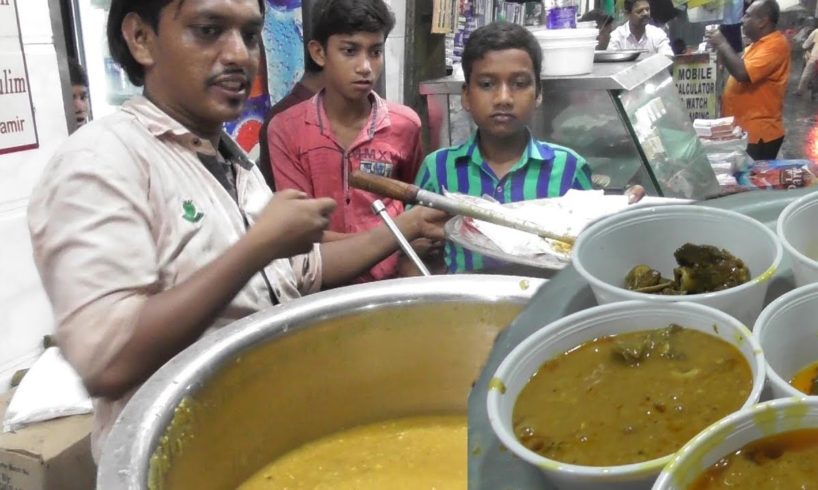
(566, 52)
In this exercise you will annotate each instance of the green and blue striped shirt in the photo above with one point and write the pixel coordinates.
(544, 170)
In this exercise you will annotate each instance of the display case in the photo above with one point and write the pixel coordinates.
(626, 119)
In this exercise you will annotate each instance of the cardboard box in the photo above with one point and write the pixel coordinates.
(52, 455)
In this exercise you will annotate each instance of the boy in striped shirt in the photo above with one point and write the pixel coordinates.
(501, 64)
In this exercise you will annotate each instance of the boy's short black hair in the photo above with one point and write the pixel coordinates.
(599, 16)
(630, 3)
(77, 73)
(331, 17)
(499, 36)
(149, 11)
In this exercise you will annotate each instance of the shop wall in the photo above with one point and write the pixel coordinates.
(394, 54)
(25, 314)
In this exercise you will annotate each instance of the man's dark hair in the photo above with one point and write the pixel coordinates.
(77, 73)
(628, 5)
(599, 16)
(769, 9)
(149, 10)
(499, 36)
(331, 17)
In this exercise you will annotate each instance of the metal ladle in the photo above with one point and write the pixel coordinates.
(379, 209)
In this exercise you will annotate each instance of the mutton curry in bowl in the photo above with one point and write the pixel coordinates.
(601, 399)
(770, 446)
(787, 331)
(670, 240)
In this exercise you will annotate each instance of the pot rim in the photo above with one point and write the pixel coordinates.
(124, 461)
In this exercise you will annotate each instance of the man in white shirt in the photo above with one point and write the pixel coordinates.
(637, 33)
(150, 227)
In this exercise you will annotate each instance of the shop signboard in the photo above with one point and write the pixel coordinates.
(18, 130)
(696, 77)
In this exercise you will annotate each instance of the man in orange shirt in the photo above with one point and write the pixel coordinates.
(754, 93)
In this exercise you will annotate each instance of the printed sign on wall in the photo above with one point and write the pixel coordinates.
(18, 130)
(695, 77)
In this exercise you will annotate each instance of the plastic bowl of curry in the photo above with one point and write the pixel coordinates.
(799, 236)
(788, 335)
(768, 446)
(687, 253)
(602, 399)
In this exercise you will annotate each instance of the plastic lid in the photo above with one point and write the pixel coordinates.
(542, 33)
(578, 44)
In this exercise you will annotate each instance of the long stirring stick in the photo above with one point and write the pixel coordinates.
(413, 194)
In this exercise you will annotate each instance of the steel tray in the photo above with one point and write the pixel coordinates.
(616, 56)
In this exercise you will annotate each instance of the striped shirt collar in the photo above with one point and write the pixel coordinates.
(535, 150)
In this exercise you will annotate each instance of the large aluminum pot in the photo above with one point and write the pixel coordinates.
(248, 393)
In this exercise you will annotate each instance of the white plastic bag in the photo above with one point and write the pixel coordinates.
(49, 390)
(732, 151)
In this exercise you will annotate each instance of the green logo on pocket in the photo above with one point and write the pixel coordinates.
(190, 212)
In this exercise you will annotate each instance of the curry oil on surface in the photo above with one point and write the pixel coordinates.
(630, 398)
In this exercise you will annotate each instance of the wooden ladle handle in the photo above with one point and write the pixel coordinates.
(384, 186)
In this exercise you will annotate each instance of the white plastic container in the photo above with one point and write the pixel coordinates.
(609, 248)
(788, 334)
(552, 36)
(566, 51)
(552, 340)
(798, 232)
(734, 432)
(568, 59)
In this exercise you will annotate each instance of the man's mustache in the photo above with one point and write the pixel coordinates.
(231, 73)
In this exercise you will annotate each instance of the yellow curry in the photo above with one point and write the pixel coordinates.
(411, 453)
(806, 380)
(630, 398)
(788, 460)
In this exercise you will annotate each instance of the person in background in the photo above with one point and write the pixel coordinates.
(604, 23)
(79, 91)
(309, 84)
(315, 145)
(810, 47)
(638, 33)
(807, 28)
(755, 90)
(502, 159)
(150, 227)
(678, 46)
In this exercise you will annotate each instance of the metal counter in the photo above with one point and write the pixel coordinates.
(606, 76)
(625, 118)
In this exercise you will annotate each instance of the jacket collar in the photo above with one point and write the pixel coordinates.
(535, 150)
